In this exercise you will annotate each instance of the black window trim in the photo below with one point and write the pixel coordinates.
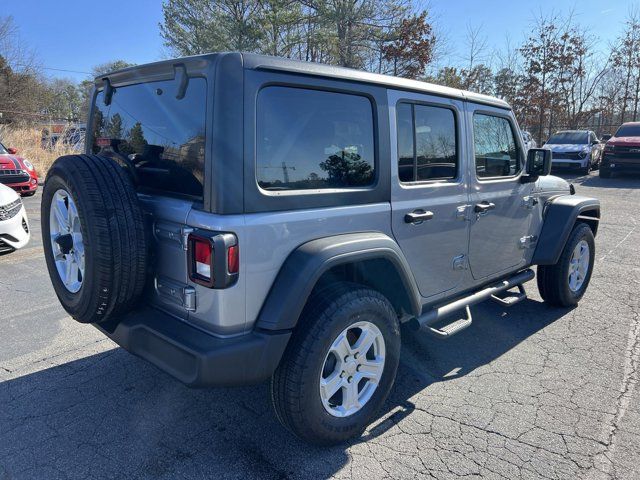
(455, 180)
(516, 138)
(199, 201)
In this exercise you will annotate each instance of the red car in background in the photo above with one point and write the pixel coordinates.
(622, 151)
(17, 172)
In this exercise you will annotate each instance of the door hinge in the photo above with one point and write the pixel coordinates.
(184, 235)
(529, 202)
(528, 242)
(460, 262)
(177, 293)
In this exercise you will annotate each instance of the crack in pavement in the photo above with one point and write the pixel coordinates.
(604, 461)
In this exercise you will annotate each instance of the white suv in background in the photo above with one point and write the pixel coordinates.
(14, 226)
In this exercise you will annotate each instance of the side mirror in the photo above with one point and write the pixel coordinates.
(538, 163)
(12, 150)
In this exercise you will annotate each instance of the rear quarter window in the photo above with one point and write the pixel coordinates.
(161, 136)
(312, 139)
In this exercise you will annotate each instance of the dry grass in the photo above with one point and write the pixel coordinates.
(28, 143)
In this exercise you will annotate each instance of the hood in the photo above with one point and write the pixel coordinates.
(11, 161)
(566, 147)
(552, 183)
(624, 141)
(7, 195)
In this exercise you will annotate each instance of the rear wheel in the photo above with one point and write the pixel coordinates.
(565, 283)
(93, 236)
(340, 365)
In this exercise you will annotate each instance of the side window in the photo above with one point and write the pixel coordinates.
(495, 146)
(312, 139)
(427, 147)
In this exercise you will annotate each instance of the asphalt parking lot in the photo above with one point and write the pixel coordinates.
(530, 392)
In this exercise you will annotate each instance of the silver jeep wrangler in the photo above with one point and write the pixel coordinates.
(238, 217)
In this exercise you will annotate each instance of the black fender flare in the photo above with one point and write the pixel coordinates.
(306, 264)
(560, 215)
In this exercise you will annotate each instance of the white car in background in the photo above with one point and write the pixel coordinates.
(14, 226)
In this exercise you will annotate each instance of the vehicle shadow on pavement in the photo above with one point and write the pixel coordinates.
(114, 415)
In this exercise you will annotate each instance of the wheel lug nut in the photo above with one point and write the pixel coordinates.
(356, 355)
(358, 368)
(350, 379)
(342, 374)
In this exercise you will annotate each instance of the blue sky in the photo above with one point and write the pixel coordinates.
(78, 34)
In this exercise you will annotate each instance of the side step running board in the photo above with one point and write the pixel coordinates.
(452, 328)
(508, 299)
(428, 319)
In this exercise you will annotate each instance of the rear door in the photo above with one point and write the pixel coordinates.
(161, 136)
(502, 204)
(428, 189)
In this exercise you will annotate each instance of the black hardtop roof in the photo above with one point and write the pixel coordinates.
(264, 62)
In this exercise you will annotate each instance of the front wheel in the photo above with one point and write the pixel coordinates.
(565, 283)
(340, 365)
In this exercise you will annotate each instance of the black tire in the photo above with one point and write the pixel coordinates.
(553, 280)
(604, 172)
(586, 170)
(113, 233)
(295, 388)
(29, 194)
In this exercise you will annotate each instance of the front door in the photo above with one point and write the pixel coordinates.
(428, 192)
(500, 201)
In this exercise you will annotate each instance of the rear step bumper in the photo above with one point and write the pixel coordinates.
(435, 315)
(197, 358)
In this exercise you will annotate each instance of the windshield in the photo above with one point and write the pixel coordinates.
(161, 136)
(628, 131)
(3, 150)
(569, 137)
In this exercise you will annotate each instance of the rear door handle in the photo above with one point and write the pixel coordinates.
(484, 207)
(418, 216)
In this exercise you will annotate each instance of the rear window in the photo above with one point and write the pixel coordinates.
(312, 139)
(162, 136)
(628, 131)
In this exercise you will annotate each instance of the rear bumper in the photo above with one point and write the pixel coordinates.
(197, 358)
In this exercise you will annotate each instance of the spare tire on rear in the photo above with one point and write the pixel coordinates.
(94, 239)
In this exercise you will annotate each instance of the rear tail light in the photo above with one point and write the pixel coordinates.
(213, 259)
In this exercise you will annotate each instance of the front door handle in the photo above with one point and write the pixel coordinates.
(484, 207)
(418, 216)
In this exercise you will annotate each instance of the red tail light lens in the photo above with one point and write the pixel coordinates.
(202, 257)
(233, 259)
